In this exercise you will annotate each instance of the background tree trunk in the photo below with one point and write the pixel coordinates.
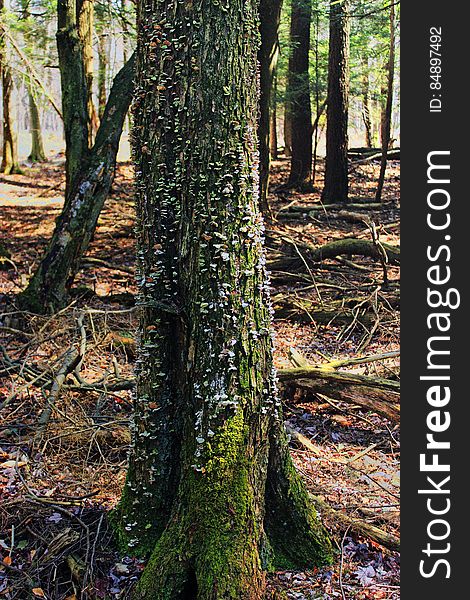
(9, 163)
(336, 162)
(366, 103)
(206, 400)
(74, 89)
(299, 96)
(273, 143)
(85, 18)
(287, 129)
(387, 120)
(37, 153)
(270, 15)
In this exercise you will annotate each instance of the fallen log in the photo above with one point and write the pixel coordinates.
(342, 311)
(351, 247)
(340, 520)
(379, 395)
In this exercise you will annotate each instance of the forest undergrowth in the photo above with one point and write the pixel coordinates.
(66, 388)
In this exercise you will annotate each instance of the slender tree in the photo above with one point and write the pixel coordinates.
(211, 491)
(298, 92)
(336, 167)
(85, 22)
(366, 101)
(9, 163)
(270, 15)
(273, 144)
(37, 153)
(89, 172)
(387, 121)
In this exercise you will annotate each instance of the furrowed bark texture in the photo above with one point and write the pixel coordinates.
(47, 290)
(206, 399)
(299, 96)
(336, 161)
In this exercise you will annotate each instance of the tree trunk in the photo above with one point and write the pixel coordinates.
(37, 153)
(209, 459)
(85, 17)
(299, 96)
(74, 89)
(270, 15)
(48, 289)
(9, 163)
(287, 129)
(387, 120)
(366, 103)
(273, 144)
(102, 73)
(336, 162)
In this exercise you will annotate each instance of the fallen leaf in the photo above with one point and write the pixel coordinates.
(39, 592)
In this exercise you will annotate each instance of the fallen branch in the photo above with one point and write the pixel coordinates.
(70, 361)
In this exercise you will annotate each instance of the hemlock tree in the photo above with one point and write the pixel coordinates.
(336, 161)
(298, 94)
(211, 490)
(89, 171)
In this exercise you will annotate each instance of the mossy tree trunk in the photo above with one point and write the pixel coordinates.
(209, 466)
(74, 89)
(336, 161)
(89, 171)
(299, 96)
(270, 15)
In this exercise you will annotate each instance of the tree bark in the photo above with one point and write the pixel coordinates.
(270, 15)
(47, 290)
(336, 162)
(387, 121)
(207, 419)
(299, 96)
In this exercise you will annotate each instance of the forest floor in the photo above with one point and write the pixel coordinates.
(59, 480)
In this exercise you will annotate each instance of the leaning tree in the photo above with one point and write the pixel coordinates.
(211, 494)
(89, 169)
